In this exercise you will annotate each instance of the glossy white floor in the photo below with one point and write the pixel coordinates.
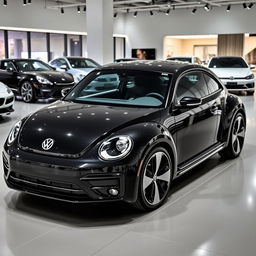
(211, 212)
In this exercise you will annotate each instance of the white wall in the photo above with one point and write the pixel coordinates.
(36, 16)
(142, 32)
(148, 32)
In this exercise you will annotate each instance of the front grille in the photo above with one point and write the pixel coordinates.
(6, 165)
(8, 101)
(1, 101)
(61, 190)
(239, 86)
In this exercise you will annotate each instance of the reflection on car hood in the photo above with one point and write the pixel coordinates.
(231, 72)
(53, 76)
(73, 126)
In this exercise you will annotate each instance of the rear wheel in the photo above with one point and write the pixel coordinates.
(155, 180)
(236, 138)
(27, 92)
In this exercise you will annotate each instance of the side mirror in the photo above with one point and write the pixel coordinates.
(190, 102)
(54, 68)
(9, 70)
(64, 67)
(252, 66)
(65, 91)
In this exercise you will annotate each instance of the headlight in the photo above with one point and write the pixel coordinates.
(14, 133)
(43, 80)
(115, 148)
(251, 76)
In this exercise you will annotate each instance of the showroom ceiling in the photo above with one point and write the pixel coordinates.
(126, 6)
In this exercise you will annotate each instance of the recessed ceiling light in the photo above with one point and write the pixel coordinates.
(151, 13)
(228, 8)
(167, 12)
(244, 5)
(194, 11)
(250, 6)
(24, 2)
(78, 9)
(206, 7)
(135, 14)
(62, 10)
(5, 3)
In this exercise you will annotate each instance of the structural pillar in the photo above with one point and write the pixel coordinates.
(99, 22)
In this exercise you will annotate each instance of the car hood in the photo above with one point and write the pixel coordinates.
(53, 76)
(3, 88)
(74, 127)
(231, 72)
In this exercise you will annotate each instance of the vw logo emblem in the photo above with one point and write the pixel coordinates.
(63, 79)
(47, 144)
(231, 78)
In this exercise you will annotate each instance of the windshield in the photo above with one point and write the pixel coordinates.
(32, 65)
(82, 63)
(129, 88)
(185, 59)
(228, 63)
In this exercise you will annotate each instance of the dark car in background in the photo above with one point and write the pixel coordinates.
(129, 139)
(32, 79)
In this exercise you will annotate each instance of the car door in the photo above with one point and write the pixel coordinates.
(8, 74)
(195, 126)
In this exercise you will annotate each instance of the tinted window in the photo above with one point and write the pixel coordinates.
(82, 63)
(7, 65)
(32, 65)
(213, 86)
(134, 88)
(229, 62)
(192, 85)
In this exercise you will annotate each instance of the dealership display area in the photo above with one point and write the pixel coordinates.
(131, 148)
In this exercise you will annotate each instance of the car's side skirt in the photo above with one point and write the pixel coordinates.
(199, 159)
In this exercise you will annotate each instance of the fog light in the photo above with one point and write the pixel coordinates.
(113, 192)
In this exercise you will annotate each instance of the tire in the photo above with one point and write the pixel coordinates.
(155, 180)
(250, 93)
(236, 138)
(27, 92)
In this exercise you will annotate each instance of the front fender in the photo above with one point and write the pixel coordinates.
(146, 136)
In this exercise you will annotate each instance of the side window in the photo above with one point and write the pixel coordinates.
(213, 86)
(192, 85)
(7, 65)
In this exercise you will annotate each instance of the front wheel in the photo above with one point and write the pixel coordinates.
(155, 180)
(236, 138)
(27, 92)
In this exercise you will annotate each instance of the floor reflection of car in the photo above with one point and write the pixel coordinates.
(6, 100)
(79, 67)
(188, 59)
(234, 73)
(128, 140)
(32, 79)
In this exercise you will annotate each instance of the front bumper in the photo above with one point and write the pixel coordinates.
(49, 91)
(68, 180)
(239, 84)
(6, 105)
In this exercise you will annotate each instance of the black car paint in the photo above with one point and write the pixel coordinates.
(76, 163)
(15, 78)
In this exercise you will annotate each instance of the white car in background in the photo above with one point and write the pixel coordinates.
(234, 73)
(79, 67)
(188, 59)
(6, 100)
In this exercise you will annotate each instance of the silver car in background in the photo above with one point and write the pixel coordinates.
(79, 67)
(6, 100)
(234, 73)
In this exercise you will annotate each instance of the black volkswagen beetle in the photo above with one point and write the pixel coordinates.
(125, 139)
(33, 79)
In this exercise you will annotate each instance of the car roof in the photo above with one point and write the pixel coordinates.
(20, 59)
(152, 65)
